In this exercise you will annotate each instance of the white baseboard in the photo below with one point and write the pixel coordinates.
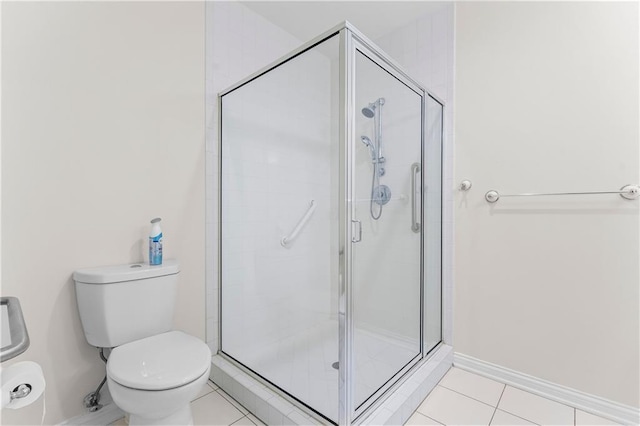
(104, 416)
(590, 403)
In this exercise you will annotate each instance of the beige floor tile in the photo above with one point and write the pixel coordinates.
(418, 419)
(473, 385)
(535, 408)
(451, 408)
(213, 409)
(120, 422)
(503, 418)
(244, 422)
(206, 389)
(584, 419)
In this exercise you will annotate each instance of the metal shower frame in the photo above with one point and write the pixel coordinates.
(350, 42)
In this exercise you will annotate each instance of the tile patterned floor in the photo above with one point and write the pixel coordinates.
(214, 407)
(461, 398)
(464, 398)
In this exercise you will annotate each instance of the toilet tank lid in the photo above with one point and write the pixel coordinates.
(122, 273)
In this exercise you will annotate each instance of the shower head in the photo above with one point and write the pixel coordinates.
(365, 140)
(370, 110)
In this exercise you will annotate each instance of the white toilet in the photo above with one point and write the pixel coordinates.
(153, 373)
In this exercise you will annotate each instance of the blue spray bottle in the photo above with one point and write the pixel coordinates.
(155, 242)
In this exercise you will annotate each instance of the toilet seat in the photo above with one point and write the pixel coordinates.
(165, 361)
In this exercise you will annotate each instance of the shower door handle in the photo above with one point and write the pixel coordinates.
(359, 225)
(415, 171)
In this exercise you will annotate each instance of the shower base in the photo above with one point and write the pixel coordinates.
(275, 407)
(305, 364)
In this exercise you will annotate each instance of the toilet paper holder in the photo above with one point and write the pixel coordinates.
(20, 391)
(22, 384)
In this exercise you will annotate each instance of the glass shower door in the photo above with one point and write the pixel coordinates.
(387, 235)
(279, 221)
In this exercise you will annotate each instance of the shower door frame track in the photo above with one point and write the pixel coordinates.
(350, 42)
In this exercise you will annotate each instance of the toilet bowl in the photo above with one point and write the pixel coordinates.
(153, 373)
(154, 379)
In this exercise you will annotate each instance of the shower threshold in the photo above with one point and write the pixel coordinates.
(274, 407)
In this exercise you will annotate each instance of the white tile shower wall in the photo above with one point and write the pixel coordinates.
(214, 85)
(238, 43)
(276, 160)
(425, 49)
(386, 266)
(276, 146)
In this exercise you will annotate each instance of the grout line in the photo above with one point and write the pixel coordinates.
(256, 419)
(497, 403)
(516, 415)
(520, 417)
(501, 394)
(202, 396)
(495, 410)
(243, 417)
(232, 401)
(526, 390)
(538, 396)
(430, 418)
(575, 417)
(470, 397)
(467, 396)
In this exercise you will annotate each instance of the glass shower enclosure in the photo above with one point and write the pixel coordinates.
(330, 225)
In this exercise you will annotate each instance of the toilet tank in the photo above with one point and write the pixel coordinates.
(123, 303)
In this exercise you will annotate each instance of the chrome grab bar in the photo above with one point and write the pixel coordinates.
(415, 225)
(628, 192)
(285, 241)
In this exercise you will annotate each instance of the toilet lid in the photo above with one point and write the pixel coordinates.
(164, 361)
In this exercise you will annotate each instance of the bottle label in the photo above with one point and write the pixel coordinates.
(155, 250)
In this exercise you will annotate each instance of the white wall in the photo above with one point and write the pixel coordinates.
(547, 100)
(238, 43)
(103, 129)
